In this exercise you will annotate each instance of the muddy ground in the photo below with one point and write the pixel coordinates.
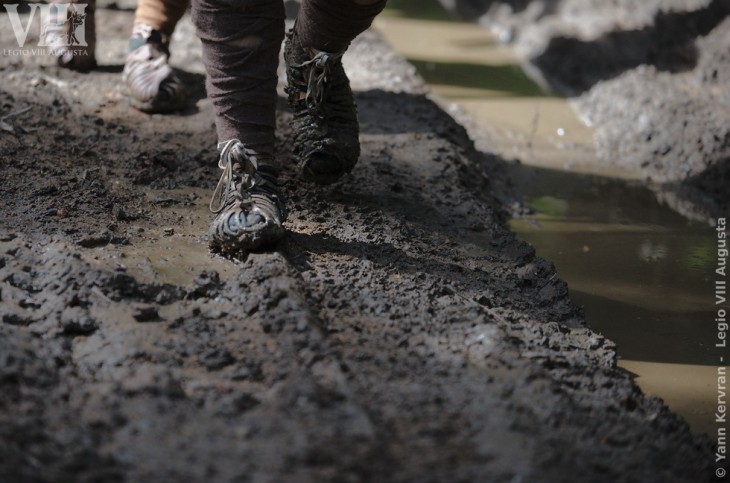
(652, 76)
(399, 333)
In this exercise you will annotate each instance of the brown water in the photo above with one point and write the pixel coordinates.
(640, 271)
(642, 274)
(174, 251)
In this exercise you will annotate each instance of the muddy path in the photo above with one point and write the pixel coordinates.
(399, 333)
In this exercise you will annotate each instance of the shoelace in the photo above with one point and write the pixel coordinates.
(319, 71)
(226, 185)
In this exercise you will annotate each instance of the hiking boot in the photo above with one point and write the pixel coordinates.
(248, 205)
(66, 39)
(325, 127)
(153, 85)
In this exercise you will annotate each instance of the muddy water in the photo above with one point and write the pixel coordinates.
(640, 271)
(171, 249)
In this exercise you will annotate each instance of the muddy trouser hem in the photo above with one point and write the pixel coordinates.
(161, 15)
(241, 42)
(330, 25)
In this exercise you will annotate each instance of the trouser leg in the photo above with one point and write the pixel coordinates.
(325, 129)
(241, 42)
(330, 25)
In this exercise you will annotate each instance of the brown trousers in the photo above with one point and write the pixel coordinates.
(241, 42)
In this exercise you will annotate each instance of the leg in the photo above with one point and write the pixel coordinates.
(330, 26)
(152, 84)
(241, 43)
(161, 15)
(325, 126)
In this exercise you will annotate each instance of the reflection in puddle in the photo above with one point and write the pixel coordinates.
(642, 274)
(641, 271)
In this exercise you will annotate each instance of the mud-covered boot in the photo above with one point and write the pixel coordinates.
(325, 127)
(248, 205)
(152, 84)
(73, 41)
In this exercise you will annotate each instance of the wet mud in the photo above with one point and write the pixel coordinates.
(399, 333)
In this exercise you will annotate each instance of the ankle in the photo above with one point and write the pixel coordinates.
(143, 33)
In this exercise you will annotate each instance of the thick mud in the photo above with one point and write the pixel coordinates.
(399, 333)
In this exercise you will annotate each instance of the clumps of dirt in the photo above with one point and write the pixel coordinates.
(62, 186)
(43, 306)
(54, 293)
(41, 438)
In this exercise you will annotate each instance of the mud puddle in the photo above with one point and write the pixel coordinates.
(642, 274)
(171, 249)
(640, 271)
(485, 87)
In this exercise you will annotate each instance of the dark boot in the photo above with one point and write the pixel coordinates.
(249, 208)
(325, 127)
